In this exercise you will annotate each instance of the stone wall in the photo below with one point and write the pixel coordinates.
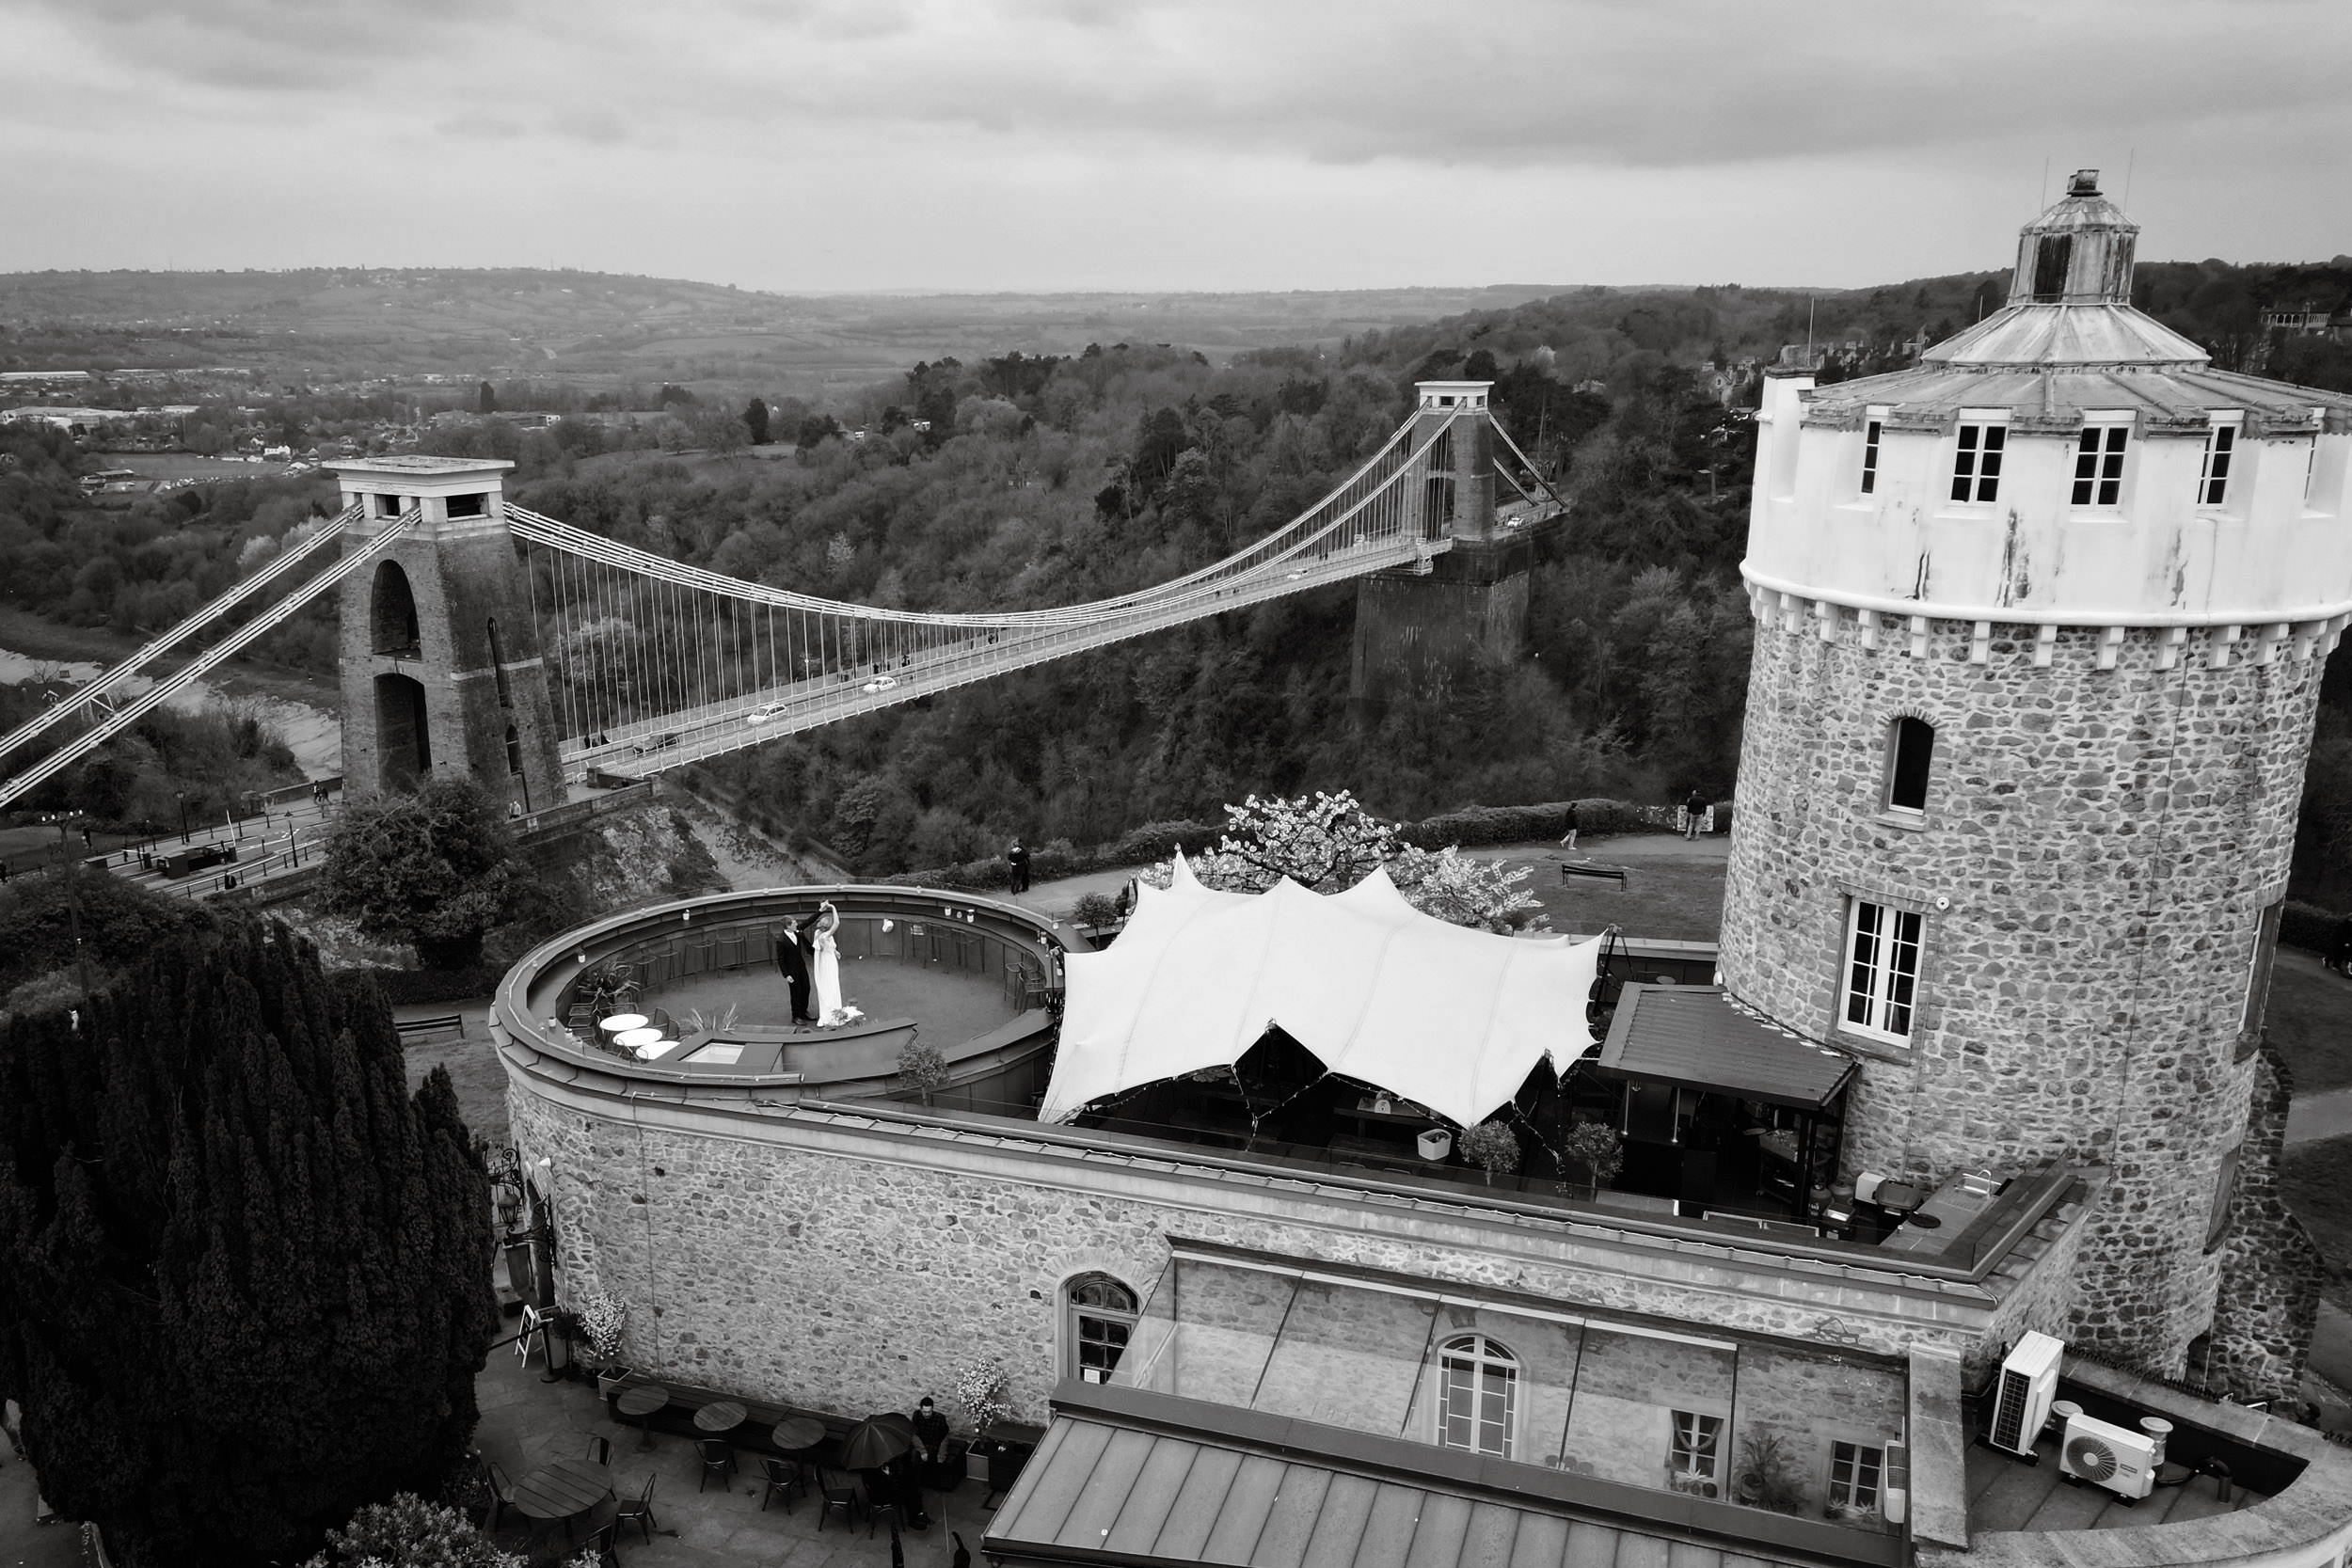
(2270, 1271)
(2097, 848)
(820, 1257)
(1417, 633)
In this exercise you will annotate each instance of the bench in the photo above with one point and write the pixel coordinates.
(408, 1026)
(1598, 873)
(1378, 1153)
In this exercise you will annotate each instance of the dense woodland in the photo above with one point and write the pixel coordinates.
(1021, 480)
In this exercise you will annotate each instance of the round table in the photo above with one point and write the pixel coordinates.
(641, 1401)
(620, 1022)
(565, 1489)
(797, 1433)
(719, 1415)
(632, 1039)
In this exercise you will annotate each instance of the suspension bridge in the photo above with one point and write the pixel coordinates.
(551, 662)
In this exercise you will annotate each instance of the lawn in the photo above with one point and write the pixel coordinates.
(473, 1071)
(2309, 1021)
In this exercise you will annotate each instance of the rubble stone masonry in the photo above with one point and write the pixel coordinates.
(2096, 853)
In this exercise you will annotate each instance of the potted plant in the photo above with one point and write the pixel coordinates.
(980, 1385)
(1767, 1475)
(601, 1318)
(1492, 1147)
(1594, 1145)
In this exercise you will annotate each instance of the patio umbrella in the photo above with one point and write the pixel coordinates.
(875, 1441)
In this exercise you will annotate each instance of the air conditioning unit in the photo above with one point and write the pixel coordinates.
(2022, 1395)
(2117, 1458)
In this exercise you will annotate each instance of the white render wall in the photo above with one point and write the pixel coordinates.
(2158, 559)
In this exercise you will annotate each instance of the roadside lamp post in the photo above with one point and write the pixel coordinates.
(181, 796)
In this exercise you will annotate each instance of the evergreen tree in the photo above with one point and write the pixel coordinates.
(755, 422)
(243, 1274)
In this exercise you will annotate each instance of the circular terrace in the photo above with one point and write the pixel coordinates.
(976, 980)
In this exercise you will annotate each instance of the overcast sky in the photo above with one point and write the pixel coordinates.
(1063, 144)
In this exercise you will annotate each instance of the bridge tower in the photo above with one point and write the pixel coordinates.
(442, 669)
(2040, 628)
(1417, 630)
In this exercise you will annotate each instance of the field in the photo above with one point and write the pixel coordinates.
(187, 464)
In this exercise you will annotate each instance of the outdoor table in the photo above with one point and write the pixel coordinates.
(631, 1040)
(620, 1022)
(798, 1433)
(655, 1050)
(642, 1400)
(565, 1489)
(719, 1415)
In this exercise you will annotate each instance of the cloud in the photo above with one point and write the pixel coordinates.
(873, 117)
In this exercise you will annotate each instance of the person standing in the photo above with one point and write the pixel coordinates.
(1693, 813)
(931, 1446)
(2339, 948)
(794, 965)
(826, 966)
(1568, 838)
(1019, 859)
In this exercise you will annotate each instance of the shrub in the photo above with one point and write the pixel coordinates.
(1492, 1145)
(2307, 925)
(1096, 908)
(409, 1532)
(1595, 1144)
(415, 987)
(921, 1067)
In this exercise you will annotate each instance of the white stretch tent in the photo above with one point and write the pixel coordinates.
(1450, 1017)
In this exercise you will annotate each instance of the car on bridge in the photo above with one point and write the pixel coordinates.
(881, 683)
(766, 715)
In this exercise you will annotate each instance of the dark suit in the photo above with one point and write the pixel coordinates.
(793, 966)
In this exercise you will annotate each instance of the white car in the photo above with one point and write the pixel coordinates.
(881, 683)
(765, 715)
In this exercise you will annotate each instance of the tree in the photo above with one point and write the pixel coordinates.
(435, 868)
(755, 422)
(486, 399)
(1330, 843)
(242, 1268)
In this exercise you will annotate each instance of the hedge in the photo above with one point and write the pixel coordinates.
(2307, 925)
(413, 986)
(1469, 827)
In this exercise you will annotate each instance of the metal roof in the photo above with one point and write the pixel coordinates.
(2058, 396)
(1104, 1493)
(1694, 1035)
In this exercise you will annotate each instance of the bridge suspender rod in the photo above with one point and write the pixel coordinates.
(286, 561)
(163, 690)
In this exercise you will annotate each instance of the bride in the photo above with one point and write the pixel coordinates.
(825, 965)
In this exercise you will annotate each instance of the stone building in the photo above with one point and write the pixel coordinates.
(2045, 618)
(2015, 807)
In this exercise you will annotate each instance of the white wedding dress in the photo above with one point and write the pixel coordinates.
(825, 972)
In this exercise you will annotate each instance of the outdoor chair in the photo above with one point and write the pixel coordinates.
(502, 1495)
(783, 1476)
(639, 1511)
(831, 1497)
(881, 1502)
(600, 1451)
(605, 1546)
(717, 1460)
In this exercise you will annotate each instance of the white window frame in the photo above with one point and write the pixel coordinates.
(1851, 1490)
(1076, 1314)
(2100, 454)
(1480, 1357)
(2224, 439)
(1894, 755)
(1694, 1449)
(1887, 993)
(1980, 444)
(1873, 442)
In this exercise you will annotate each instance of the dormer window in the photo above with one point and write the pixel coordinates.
(2099, 465)
(1977, 463)
(1870, 457)
(2213, 478)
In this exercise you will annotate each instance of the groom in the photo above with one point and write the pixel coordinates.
(794, 965)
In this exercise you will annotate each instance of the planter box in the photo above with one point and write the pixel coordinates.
(608, 1380)
(1436, 1145)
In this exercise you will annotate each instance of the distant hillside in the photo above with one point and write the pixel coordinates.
(339, 324)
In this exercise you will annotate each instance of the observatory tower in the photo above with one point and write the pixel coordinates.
(2041, 624)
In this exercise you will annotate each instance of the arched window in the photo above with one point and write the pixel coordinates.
(393, 613)
(1477, 1395)
(1910, 750)
(1102, 1318)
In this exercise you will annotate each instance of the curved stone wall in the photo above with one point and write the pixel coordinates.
(2109, 813)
